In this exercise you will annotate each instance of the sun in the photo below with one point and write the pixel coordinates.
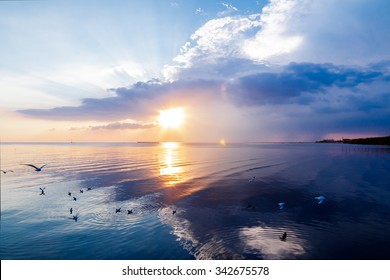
(171, 118)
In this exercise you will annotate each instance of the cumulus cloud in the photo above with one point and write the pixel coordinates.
(285, 31)
(294, 63)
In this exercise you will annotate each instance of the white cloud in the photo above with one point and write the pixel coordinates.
(347, 32)
(274, 39)
(199, 11)
(229, 9)
(218, 38)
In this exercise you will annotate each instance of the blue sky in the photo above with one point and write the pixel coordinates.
(281, 70)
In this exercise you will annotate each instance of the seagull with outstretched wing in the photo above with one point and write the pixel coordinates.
(320, 199)
(281, 205)
(36, 168)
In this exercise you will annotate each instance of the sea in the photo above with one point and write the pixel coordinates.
(187, 201)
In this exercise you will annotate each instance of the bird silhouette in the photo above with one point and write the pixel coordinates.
(173, 212)
(71, 210)
(5, 171)
(117, 210)
(129, 212)
(75, 217)
(42, 191)
(283, 237)
(81, 191)
(74, 198)
(89, 188)
(69, 193)
(36, 168)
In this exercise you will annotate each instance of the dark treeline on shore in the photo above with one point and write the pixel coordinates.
(364, 141)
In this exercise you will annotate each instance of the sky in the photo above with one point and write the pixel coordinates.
(242, 71)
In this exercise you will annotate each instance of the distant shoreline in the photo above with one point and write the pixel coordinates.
(385, 140)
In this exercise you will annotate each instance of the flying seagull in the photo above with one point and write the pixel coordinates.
(129, 212)
(36, 168)
(117, 210)
(75, 217)
(42, 191)
(281, 205)
(5, 171)
(173, 212)
(283, 236)
(320, 199)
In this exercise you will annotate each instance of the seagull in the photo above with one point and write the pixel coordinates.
(173, 212)
(74, 198)
(69, 193)
(42, 191)
(75, 217)
(81, 191)
(283, 236)
(129, 212)
(89, 188)
(117, 210)
(320, 199)
(71, 210)
(252, 179)
(36, 168)
(281, 205)
(5, 171)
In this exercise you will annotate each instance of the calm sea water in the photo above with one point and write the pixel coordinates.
(220, 212)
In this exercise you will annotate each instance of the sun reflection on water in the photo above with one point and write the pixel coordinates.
(169, 161)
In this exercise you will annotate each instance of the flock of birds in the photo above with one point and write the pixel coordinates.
(74, 217)
(320, 199)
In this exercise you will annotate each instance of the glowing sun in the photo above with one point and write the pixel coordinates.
(171, 118)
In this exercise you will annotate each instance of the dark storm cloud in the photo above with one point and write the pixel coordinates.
(291, 84)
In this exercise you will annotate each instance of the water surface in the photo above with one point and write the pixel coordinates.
(220, 212)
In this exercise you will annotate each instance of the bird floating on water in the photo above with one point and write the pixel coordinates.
(36, 168)
(252, 179)
(5, 171)
(129, 212)
(283, 236)
(89, 188)
(117, 210)
(42, 191)
(81, 191)
(281, 205)
(320, 199)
